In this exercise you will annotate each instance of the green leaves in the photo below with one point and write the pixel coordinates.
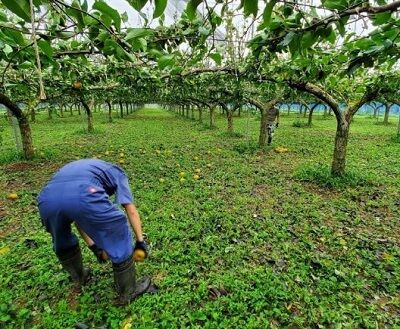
(137, 4)
(287, 39)
(110, 12)
(250, 7)
(139, 44)
(166, 60)
(191, 8)
(335, 4)
(268, 12)
(14, 38)
(25, 65)
(216, 57)
(159, 8)
(133, 33)
(381, 18)
(308, 39)
(19, 7)
(46, 48)
(136, 37)
(76, 13)
(7, 49)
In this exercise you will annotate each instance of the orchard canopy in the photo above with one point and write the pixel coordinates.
(216, 53)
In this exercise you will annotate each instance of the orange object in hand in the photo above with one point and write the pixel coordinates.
(139, 255)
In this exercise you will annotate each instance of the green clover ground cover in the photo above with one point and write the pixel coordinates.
(261, 240)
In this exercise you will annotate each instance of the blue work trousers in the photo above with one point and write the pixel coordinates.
(66, 201)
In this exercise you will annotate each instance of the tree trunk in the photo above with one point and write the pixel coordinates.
(339, 153)
(229, 116)
(269, 115)
(200, 115)
(33, 114)
(26, 137)
(127, 108)
(50, 113)
(91, 105)
(79, 109)
(192, 112)
(121, 109)
(71, 111)
(62, 111)
(398, 127)
(24, 127)
(212, 117)
(110, 119)
(375, 109)
(311, 113)
(262, 139)
(89, 115)
(240, 111)
(387, 111)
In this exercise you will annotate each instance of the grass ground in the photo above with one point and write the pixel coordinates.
(251, 244)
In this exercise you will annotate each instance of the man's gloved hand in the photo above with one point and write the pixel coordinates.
(141, 251)
(99, 253)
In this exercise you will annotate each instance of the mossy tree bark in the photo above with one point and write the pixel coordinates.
(387, 112)
(24, 127)
(229, 116)
(200, 114)
(268, 116)
(89, 114)
(212, 116)
(121, 109)
(311, 113)
(110, 119)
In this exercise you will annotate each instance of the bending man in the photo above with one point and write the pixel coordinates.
(79, 192)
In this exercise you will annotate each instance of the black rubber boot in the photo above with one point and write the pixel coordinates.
(71, 262)
(125, 282)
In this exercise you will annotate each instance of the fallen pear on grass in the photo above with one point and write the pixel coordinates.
(12, 196)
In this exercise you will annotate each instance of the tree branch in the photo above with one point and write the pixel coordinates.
(352, 11)
(13, 107)
(369, 95)
(198, 71)
(77, 52)
(320, 94)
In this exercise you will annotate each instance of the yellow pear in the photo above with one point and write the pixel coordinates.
(12, 196)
